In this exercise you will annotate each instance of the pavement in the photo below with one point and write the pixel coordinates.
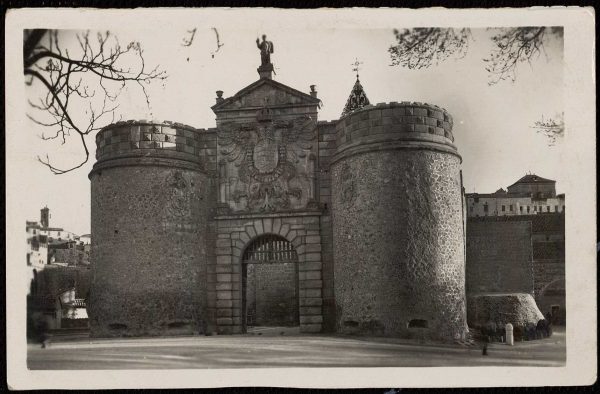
(284, 347)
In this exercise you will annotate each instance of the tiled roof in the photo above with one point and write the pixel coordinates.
(357, 99)
(532, 178)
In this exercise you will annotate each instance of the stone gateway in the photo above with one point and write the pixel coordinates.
(274, 218)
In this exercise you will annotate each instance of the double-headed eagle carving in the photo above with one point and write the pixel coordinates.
(267, 153)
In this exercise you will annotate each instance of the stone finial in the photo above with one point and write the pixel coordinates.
(313, 92)
(219, 98)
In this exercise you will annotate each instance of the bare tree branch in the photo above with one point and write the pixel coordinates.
(553, 128)
(511, 47)
(187, 41)
(423, 47)
(67, 78)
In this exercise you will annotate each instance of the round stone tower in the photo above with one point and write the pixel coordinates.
(397, 223)
(149, 211)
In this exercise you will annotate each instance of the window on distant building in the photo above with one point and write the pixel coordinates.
(547, 208)
(556, 208)
(503, 208)
(541, 210)
(33, 231)
(535, 208)
(511, 207)
(471, 209)
(521, 209)
(485, 207)
(476, 199)
(528, 209)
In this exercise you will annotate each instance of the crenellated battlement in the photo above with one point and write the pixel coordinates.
(405, 125)
(151, 139)
(394, 118)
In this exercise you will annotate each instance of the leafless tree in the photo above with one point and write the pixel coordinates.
(418, 48)
(80, 83)
(189, 40)
(423, 47)
(513, 46)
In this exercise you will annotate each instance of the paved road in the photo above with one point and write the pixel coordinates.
(273, 350)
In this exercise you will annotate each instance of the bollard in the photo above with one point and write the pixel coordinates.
(509, 334)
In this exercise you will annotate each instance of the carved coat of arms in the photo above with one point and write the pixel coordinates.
(265, 153)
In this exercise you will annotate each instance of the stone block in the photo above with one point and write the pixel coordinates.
(431, 121)
(251, 231)
(310, 310)
(223, 259)
(291, 236)
(312, 247)
(284, 230)
(307, 293)
(268, 225)
(224, 295)
(224, 321)
(311, 301)
(221, 303)
(310, 266)
(224, 286)
(311, 284)
(310, 328)
(311, 275)
(313, 239)
(310, 320)
(223, 269)
(224, 277)
(223, 251)
(310, 257)
(221, 312)
(421, 128)
(223, 242)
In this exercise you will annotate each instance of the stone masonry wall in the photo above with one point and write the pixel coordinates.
(150, 209)
(327, 148)
(397, 224)
(499, 257)
(272, 294)
(234, 234)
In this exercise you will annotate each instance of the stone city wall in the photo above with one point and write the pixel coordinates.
(397, 224)
(499, 256)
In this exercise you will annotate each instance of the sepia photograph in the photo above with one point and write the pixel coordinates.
(240, 197)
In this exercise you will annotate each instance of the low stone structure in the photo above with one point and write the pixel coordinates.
(519, 309)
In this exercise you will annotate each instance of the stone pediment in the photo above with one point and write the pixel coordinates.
(266, 93)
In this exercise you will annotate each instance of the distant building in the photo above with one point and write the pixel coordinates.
(53, 245)
(530, 195)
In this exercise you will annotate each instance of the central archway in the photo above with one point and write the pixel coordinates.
(270, 291)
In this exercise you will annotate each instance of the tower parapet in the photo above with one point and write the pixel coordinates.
(397, 219)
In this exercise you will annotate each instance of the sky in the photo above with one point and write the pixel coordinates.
(492, 124)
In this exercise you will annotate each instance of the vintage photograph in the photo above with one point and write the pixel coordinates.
(206, 194)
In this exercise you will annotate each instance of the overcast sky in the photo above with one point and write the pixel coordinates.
(491, 123)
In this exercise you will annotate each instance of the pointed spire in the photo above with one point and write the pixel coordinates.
(357, 100)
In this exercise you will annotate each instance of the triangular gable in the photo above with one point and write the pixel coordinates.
(265, 92)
